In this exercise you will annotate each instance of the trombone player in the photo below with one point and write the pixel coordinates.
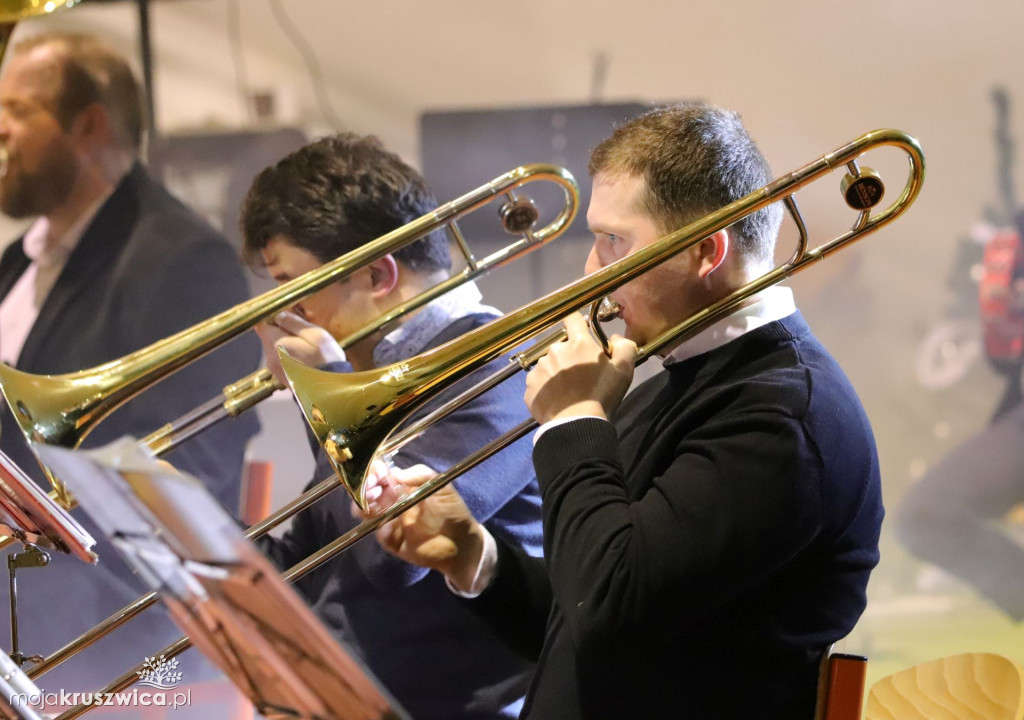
(710, 534)
(327, 199)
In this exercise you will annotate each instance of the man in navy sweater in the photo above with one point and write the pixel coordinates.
(323, 201)
(708, 536)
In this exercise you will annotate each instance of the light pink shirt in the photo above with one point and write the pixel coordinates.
(20, 308)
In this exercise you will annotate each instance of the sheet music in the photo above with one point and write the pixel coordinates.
(27, 513)
(219, 588)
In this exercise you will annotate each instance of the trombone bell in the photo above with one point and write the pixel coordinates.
(11, 11)
(352, 414)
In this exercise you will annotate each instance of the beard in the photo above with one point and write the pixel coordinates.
(25, 194)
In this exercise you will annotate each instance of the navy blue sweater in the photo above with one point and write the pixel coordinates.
(706, 547)
(432, 654)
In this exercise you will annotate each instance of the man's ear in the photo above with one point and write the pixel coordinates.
(711, 253)
(92, 127)
(383, 275)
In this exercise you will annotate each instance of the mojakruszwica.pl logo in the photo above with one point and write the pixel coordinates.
(159, 673)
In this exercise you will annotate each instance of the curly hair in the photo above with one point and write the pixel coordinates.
(335, 195)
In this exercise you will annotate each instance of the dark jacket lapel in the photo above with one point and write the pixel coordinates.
(12, 266)
(91, 262)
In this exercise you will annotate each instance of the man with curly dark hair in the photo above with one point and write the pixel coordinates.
(329, 198)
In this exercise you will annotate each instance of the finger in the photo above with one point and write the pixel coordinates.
(391, 536)
(268, 331)
(372, 494)
(297, 348)
(413, 476)
(269, 336)
(576, 326)
(323, 347)
(377, 473)
(410, 517)
(623, 350)
(292, 322)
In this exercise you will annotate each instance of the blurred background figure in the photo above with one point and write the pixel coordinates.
(959, 514)
(111, 263)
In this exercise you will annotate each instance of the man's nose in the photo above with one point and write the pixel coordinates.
(593, 263)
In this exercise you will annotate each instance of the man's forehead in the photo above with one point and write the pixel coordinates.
(35, 74)
(614, 196)
(272, 249)
(282, 249)
(624, 180)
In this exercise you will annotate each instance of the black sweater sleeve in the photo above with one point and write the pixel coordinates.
(517, 603)
(738, 499)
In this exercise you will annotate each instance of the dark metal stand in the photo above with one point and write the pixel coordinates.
(146, 53)
(31, 556)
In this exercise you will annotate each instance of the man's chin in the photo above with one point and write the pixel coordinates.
(12, 209)
(15, 204)
(635, 335)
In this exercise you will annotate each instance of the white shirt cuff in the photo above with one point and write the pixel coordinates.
(484, 571)
(560, 421)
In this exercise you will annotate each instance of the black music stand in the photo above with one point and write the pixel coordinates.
(219, 588)
(28, 515)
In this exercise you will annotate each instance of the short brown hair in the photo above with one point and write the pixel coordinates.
(93, 72)
(694, 159)
(337, 194)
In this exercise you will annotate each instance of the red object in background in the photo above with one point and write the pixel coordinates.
(257, 484)
(1002, 307)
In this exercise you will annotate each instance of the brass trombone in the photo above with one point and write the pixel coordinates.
(518, 216)
(62, 409)
(336, 403)
(352, 415)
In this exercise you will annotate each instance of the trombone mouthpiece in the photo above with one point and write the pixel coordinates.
(608, 310)
(864, 190)
(518, 215)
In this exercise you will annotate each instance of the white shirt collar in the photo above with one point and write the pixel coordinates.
(412, 336)
(771, 304)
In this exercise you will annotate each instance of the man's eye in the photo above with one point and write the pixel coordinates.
(612, 239)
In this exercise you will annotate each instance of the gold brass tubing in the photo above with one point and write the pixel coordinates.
(102, 630)
(404, 386)
(338, 546)
(125, 681)
(352, 414)
(62, 409)
(522, 361)
(126, 613)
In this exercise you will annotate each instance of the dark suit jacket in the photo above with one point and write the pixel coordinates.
(146, 267)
